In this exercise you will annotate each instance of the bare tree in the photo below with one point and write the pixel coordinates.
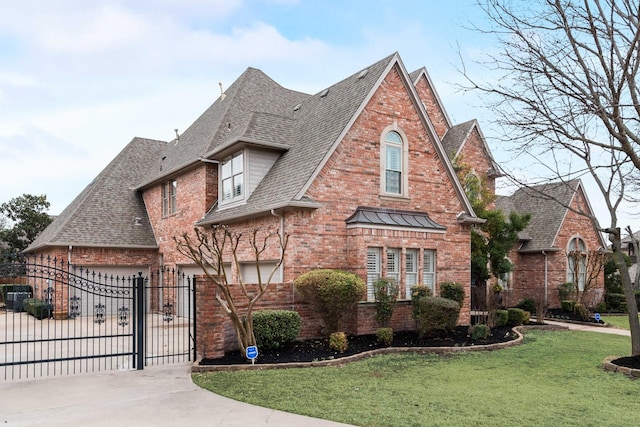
(565, 93)
(209, 251)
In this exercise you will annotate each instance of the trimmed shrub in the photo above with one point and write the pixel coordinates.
(568, 306)
(616, 302)
(338, 342)
(527, 317)
(566, 291)
(332, 294)
(38, 308)
(418, 292)
(515, 316)
(272, 328)
(502, 318)
(436, 314)
(527, 304)
(581, 311)
(480, 332)
(453, 291)
(385, 292)
(384, 336)
(601, 307)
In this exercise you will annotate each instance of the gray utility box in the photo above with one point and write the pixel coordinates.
(14, 300)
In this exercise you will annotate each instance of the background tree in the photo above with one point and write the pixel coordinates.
(209, 250)
(23, 219)
(564, 90)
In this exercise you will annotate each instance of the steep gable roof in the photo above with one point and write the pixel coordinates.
(441, 114)
(318, 124)
(548, 206)
(456, 138)
(108, 212)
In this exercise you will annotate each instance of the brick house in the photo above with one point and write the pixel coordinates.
(356, 175)
(557, 229)
(541, 261)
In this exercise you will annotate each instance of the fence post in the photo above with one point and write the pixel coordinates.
(194, 318)
(140, 326)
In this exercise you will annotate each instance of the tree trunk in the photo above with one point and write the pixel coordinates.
(627, 284)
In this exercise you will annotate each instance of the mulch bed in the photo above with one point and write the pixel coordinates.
(558, 314)
(318, 349)
(632, 362)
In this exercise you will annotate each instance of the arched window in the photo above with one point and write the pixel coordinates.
(393, 163)
(577, 262)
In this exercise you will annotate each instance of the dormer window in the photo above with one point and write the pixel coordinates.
(232, 177)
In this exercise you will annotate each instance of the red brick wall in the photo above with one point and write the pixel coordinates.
(474, 154)
(528, 276)
(434, 110)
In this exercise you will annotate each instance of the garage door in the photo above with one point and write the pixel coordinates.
(102, 291)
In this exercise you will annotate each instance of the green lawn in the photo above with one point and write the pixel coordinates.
(617, 321)
(553, 379)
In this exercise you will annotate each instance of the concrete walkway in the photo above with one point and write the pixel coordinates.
(156, 396)
(589, 328)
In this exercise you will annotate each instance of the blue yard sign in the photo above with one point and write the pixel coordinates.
(597, 316)
(252, 353)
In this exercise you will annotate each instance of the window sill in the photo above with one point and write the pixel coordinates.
(391, 197)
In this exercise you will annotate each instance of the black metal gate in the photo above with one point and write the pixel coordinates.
(60, 319)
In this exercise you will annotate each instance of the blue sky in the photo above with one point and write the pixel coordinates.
(79, 79)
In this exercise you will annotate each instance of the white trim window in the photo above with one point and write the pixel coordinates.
(393, 164)
(393, 265)
(429, 269)
(577, 252)
(169, 189)
(410, 271)
(232, 178)
(374, 270)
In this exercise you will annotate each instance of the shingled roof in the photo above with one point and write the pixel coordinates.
(547, 205)
(108, 212)
(253, 110)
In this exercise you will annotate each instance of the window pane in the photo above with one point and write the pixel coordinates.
(393, 137)
(373, 270)
(237, 164)
(411, 271)
(429, 269)
(238, 185)
(392, 182)
(393, 264)
(393, 158)
(226, 169)
(226, 189)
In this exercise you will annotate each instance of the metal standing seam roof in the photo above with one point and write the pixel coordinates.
(393, 218)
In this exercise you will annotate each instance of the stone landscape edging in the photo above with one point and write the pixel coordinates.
(197, 367)
(611, 367)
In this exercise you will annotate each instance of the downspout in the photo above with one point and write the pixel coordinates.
(281, 268)
(546, 302)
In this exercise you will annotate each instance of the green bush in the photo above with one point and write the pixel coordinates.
(515, 316)
(272, 328)
(502, 318)
(338, 342)
(436, 314)
(616, 302)
(418, 292)
(385, 292)
(527, 317)
(453, 291)
(333, 294)
(566, 291)
(38, 308)
(567, 306)
(384, 336)
(480, 332)
(601, 307)
(527, 304)
(581, 311)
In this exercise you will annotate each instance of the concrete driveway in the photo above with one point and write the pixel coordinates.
(157, 396)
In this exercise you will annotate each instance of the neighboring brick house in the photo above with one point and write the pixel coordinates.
(355, 174)
(556, 229)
